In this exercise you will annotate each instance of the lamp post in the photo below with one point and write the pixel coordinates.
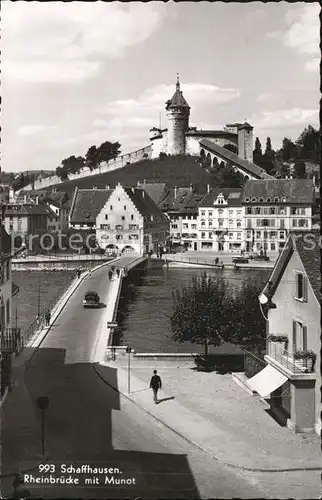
(128, 350)
(39, 295)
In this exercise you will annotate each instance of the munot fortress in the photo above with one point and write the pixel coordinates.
(180, 139)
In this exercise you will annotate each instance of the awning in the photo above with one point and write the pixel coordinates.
(267, 381)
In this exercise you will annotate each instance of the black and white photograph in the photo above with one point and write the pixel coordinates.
(160, 250)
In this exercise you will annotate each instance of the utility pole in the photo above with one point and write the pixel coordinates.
(2, 209)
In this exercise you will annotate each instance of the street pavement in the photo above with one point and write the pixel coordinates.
(88, 423)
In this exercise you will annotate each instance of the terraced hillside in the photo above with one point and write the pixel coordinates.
(178, 170)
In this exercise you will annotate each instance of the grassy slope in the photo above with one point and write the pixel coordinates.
(175, 170)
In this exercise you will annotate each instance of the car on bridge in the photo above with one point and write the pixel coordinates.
(91, 299)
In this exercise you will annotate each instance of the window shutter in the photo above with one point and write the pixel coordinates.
(305, 280)
(304, 337)
(294, 335)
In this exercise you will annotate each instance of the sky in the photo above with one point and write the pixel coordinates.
(77, 74)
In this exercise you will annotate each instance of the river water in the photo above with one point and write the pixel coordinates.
(144, 317)
(144, 310)
(36, 288)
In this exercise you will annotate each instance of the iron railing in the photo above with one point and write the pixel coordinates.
(253, 364)
(10, 340)
(284, 357)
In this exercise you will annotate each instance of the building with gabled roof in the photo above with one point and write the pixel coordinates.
(156, 190)
(85, 207)
(130, 221)
(291, 303)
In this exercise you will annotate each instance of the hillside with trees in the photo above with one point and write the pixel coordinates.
(179, 170)
(305, 153)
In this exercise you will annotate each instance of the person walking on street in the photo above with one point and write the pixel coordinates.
(78, 273)
(110, 274)
(47, 317)
(216, 261)
(118, 272)
(155, 385)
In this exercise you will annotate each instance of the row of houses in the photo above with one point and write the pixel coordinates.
(255, 218)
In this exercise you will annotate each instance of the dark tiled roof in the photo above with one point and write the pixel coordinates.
(224, 133)
(185, 200)
(145, 205)
(294, 190)
(245, 125)
(87, 204)
(156, 190)
(25, 209)
(310, 254)
(233, 196)
(5, 241)
(177, 99)
(311, 260)
(227, 155)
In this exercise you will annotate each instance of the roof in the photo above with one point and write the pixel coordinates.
(5, 241)
(224, 133)
(177, 100)
(87, 204)
(296, 191)
(310, 254)
(233, 196)
(181, 200)
(58, 199)
(245, 125)
(25, 209)
(224, 153)
(145, 205)
(156, 190)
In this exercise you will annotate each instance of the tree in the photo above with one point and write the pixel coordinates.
(62, 173)
(309, 143)
(257, 153)
(227, 176)
(92, 158)
(202, 311)
(73, 165)
(289, 149)
(249, 324)
(299, 170)
(108, 151)
(232, 147)
(267, 160)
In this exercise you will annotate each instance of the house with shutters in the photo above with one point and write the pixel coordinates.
(221, 221)
(273, 208)
(131, 222)
(290, 302)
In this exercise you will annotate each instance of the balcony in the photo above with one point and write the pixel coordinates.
(10, 340)
(285, 362)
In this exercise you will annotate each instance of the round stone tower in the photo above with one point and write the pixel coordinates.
(178, 112)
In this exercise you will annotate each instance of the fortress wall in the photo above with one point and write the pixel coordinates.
(119, 162)
(193, 146)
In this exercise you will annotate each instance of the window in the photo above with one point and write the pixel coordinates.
(272, 210)
(135, 236)
(203, 224)
(210, 214)
(239, 223)
(273, 247)
(299, 336)
(303, 223)
(238, 236)
(193, 226)
(300, 287)
(203, 214)
(123, 218)
(294, 222)
(230, 236)
(230, 222)
(249, 210)
(248, 235)
(118, 227)
(249, 223)
(185, 226)
(257, 210)
(221, 223)
(239, 213)
(231, 213)
(174, 226)
(273, 235)
(210, 224)
(105, 226)
(203, 235)
(124, 207)
(265, 222)
(119, 236)
(282, 211)
(261, 200)
(111, 207)
(132, 217)
(133, 226)
(258, 234)
(282, 235)
(282, 223)
(8, 310)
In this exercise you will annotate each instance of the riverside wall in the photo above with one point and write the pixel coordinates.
(119, 162)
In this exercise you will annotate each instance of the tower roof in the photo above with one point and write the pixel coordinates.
(177, 100)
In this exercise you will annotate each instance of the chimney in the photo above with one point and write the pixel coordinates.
(37, 200)
(208, 189)
(175, 192)
(25, 199)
